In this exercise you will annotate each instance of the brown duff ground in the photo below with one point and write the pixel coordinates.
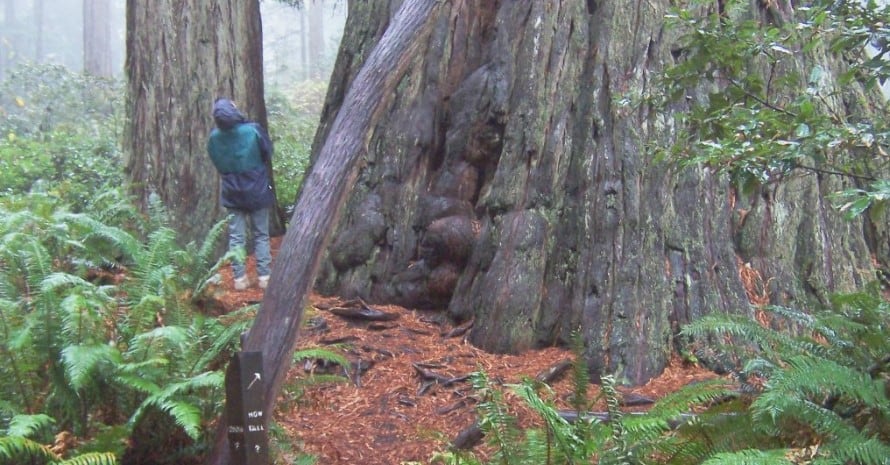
(388, 415)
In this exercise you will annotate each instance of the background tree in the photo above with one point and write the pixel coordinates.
(313, 45)
(181, 56)
(39, 29)
(97, 37)
(8, 38)
(508, 179)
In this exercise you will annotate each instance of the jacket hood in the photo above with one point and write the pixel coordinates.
(226, 114)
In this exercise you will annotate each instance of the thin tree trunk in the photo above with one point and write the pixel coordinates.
(8, 38)
(38, 31)
(324, 190)
(315, 42)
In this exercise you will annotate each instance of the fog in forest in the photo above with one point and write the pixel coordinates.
(298, 43)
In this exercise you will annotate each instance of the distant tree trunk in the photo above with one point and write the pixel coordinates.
(506, 181)
(303, 31)
(181, 56)
(324, 191)
(97, 37)
(315, 39)
(38, 31)
(8, 38)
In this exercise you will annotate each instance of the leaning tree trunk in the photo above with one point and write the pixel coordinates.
(507, 181)
(323, 194)
(181, 56)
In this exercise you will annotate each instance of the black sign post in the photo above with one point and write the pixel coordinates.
(247, 422)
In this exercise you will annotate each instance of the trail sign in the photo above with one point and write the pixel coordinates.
(245, 399)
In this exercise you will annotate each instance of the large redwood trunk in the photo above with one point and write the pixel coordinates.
(508, 180)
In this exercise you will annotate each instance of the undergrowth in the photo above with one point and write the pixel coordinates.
(106, 321)
(811, 388)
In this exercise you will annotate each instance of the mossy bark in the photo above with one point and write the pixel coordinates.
(513, 121)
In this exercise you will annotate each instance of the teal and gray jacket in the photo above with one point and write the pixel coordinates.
(239, 149)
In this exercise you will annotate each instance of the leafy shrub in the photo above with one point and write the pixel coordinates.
(40, 99)
(293, 119)
(60, 134)
(761, 104)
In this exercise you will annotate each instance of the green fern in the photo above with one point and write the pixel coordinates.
(104, 352)
(325, 355)
(177, 400)
(28, 426)
(750, 457)
(499, 426)
(824, 378)
(17, 449)
(198, 264)
(562, 441)
(92, 458)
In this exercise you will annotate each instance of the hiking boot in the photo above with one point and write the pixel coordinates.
(242, 283)
(264, 281)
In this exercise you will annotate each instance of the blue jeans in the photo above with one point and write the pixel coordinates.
(259, 221)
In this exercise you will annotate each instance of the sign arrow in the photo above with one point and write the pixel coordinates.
(256, 377)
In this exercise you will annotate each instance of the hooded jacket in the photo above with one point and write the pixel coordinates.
(239, 149)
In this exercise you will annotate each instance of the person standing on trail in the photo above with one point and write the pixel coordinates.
(240, 149)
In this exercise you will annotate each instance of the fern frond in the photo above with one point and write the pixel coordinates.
(54, 281)
(124, 242)
(174, 338)
(152, 267)
(85, 313)
(567, 441)
(692, 395)
(138, 383)
(763, 340)
(322, 354)
(828, 376)
(316, 379)
(751, 457)
(198, 263)
(208, 248)
(859, 450)
(17, 449)
(82, 362)
(29, 425)
(37, 261)
(92, 458)
(221, 340)
(186, 414)
(494, 420)
(580, 376)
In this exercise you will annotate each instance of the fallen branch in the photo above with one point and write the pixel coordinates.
(363, 312)
(460, 330)
(554, 371)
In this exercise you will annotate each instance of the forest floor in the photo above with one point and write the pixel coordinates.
(391, 410)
